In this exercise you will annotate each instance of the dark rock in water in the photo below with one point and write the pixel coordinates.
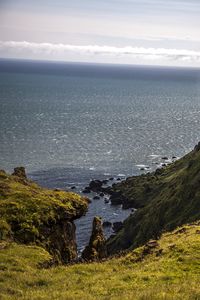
(96, 198)
(96, 250)
(20, 172)
(106, 200)
(197, 147)
(101, 194)
(142, 169)
(105, 181)
(95, 185)
(73, 187)
(163, 165)
(111, 178)
(107, 224)
(117, 226)
(165, 158)
(174, 157)
(86, 190)
(118, 179)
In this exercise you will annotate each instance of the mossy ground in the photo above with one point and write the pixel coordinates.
(31, 214)
(170, 271)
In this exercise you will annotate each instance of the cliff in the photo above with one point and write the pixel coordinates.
(30, 214)
(165, 199)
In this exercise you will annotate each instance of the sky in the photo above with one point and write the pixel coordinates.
(146, 32)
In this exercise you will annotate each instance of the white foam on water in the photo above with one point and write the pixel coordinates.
(92, 168)
(141, 166)
(154, 155)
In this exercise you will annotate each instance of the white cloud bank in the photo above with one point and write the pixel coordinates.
(63, 51)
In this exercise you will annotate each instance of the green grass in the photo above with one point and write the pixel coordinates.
(170, 271)
(164, 201)
(31, 214)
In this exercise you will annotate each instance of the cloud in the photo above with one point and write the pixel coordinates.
(57, 51)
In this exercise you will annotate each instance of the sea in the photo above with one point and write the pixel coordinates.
(69, 123)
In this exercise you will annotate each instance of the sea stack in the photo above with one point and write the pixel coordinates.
(96, 250)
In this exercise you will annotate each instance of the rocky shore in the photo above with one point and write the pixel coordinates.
(34, 215)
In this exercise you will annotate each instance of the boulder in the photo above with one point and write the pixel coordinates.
(96, 198)
(105, 181)
(149, 247)
(96, 249)
(95, 185)
(86, 190)
(101, 194)
(107, 224)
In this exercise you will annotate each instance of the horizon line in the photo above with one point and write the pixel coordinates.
(54, 61)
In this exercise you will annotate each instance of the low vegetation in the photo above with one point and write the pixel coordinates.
(168, 268)
(31, 214)
(147, 259)
(166, 198)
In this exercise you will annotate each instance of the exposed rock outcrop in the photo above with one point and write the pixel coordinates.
(20, 172)
(95, 185)
(96, 250)
(107, 224)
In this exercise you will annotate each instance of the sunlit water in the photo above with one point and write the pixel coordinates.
(69, 123)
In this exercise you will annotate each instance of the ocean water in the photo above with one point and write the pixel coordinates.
(68, 123)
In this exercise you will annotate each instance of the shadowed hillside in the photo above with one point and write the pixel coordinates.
(166, 198)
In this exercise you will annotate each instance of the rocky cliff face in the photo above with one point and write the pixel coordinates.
(30, 214)
(96, 250)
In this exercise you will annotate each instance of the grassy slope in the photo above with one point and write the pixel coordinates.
(170, 273)
(165, 200)
(28, 210)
